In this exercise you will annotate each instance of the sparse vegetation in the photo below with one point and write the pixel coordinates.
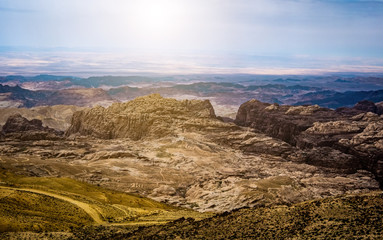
(24, 211)
(61, 204)
(350, 217)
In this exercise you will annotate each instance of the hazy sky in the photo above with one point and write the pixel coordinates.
(311, 30)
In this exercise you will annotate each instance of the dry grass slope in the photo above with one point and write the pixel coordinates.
(348, 217)
(60, 204)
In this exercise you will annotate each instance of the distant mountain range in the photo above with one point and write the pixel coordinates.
(41, 90)
(334, 99)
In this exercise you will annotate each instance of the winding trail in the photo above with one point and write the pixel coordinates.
(162, 175)
(120, 208)
(93, 213)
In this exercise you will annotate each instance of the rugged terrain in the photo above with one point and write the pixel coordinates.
(179, 152)
(346, 138)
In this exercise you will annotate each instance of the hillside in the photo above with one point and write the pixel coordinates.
(345, 217)
(61, 204)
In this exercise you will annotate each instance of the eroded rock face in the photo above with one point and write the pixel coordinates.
(281, 121)
(21, 128)
(347, 139)
(149, 116)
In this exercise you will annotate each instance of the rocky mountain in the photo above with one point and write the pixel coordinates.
(58, 116)
(20, 97)
(80, 97)
(334, 99)
(18, 127)
(348, 138)
(150, 116)
(226, 96)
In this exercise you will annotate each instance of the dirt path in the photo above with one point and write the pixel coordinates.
(120, 208)
(162, 175)
(93, 213)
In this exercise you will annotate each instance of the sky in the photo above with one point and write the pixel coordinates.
(249, 36)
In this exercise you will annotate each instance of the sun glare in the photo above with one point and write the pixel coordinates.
(158, 17)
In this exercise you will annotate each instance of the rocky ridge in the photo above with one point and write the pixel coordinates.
(149, 116)
(346, 138)
(57, 117)
(21, 128)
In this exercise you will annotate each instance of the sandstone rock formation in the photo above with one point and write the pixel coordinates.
(347, 139)
(281, 121)
(149, 116)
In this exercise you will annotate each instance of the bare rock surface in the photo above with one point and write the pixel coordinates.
(21, 128)
(346, 139)
(149, 116)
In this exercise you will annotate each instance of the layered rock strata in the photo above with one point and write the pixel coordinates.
(151, 116)
(348, 139)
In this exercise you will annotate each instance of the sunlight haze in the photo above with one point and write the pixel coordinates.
(243, 34)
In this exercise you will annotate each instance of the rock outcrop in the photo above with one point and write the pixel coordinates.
(21, 128)
(347, 139)
(361, 107)
(148, 116)
(57, 117)
(281, 121)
